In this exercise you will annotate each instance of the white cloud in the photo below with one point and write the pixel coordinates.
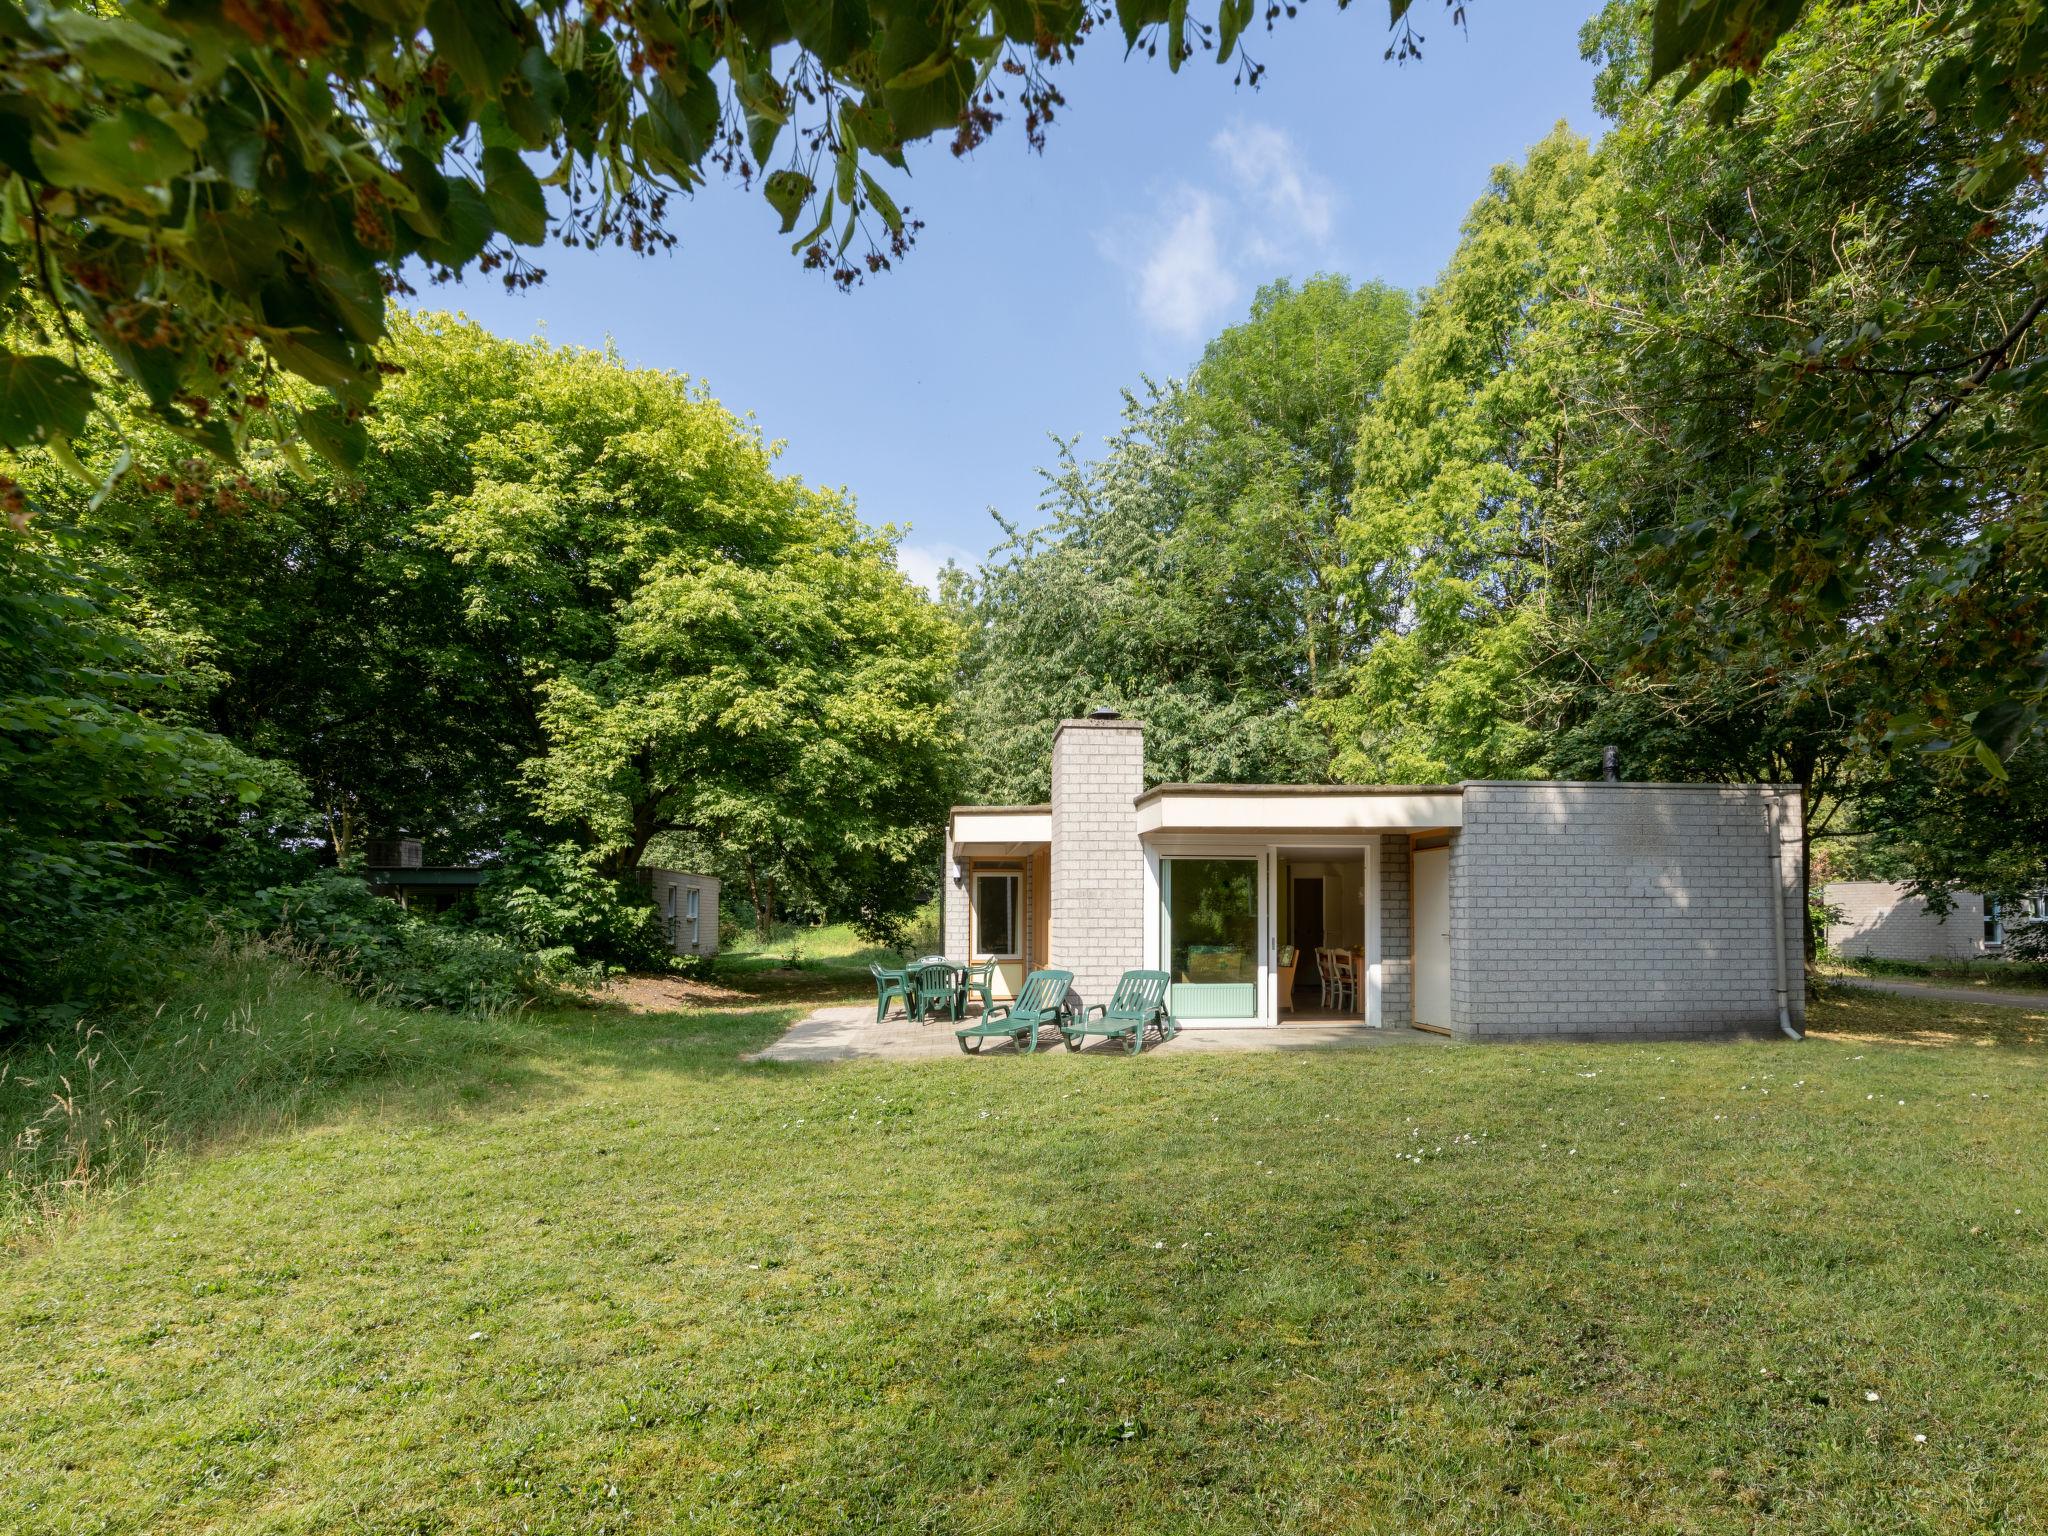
(1268, 171)
(1207, 248)
(923, 562)
(1184, 283)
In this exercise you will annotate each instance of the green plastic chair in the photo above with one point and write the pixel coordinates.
(1040, 1004)
(980, 982)
(935, 984)
(1139, 1003)
(889, 985)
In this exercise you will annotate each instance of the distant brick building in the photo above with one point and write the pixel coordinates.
(688, 905)
(1880, 920)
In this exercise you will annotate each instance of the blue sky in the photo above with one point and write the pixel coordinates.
(1042, 286)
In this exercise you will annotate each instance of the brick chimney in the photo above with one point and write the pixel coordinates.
(1098, 868)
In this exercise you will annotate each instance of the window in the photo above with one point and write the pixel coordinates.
(1212, 936)
(1994, 931)
(671, 917)
(689, 912)
(995, 915)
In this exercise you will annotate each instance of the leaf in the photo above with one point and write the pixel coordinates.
(337, 438)
(512, 193)
(478, 40)
(831, 29)
(1137, 15)
(125, 158)
(429, 188)
(884, 204)
(40, 397)
(787, 192)
(466, 228)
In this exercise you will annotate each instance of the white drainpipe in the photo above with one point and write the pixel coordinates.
(1777, 909)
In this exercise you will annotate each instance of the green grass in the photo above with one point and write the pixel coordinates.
(589, 1271)
(2020, 976)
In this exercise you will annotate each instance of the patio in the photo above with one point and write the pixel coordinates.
(848, 1032)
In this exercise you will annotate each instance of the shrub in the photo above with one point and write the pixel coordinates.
(548, 900)
(392, 955)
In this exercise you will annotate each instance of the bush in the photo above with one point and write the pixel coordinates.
(391, 955)
(555, 901)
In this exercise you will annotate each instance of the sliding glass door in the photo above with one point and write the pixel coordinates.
(1211, 932)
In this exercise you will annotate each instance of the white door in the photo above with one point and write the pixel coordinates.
(1433, 936)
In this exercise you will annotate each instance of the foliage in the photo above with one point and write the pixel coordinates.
(215, 210)
(567, 599)
(391, 955)
(553, 899)
(1829, 311)
(253, 1038)
(1188, 576)
(1467, 487)
(116, 811)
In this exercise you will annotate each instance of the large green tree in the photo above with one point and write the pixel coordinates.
(570, 598)
(1466, 467)
(1192, 574)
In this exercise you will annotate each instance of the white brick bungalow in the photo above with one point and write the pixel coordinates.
(1481, 909)
(1878, 919)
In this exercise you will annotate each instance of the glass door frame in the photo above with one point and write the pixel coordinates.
(1267, 853)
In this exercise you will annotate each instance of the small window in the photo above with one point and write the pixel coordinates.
(690, 914)
(995, 916)
(1994, 930)
(671, 916)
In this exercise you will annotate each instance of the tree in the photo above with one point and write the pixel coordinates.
(114, 799)
(1268, 429)
(1830, 279)
(216, 193)
(1466, 471)
(562, 599)
(1189, 576)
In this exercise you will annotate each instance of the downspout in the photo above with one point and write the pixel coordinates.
(1777, 910)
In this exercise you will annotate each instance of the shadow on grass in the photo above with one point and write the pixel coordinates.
(1860, 1016)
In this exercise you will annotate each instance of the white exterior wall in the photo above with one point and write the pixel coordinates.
(660, 882)
(1880, 920)
(1098, 863)
(1636, 910)
(1397, 934)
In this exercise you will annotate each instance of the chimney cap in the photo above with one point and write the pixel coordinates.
(1104, 712)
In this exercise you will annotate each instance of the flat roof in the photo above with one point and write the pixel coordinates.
(1158, 790)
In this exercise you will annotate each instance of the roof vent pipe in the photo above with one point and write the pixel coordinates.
(1610, 763)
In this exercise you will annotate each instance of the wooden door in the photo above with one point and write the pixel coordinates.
(1433, 936)
(1305, 930)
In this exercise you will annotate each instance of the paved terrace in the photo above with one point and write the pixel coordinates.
(850, 1033)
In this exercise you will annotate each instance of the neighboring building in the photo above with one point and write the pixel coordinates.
(1880, 919)
(689, 908)
(393, 868)
(1487, 910)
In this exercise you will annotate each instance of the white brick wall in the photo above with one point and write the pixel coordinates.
(1620, 909)
(1098, 865)
(1397, 966)
(952, 910)
(1879, 919)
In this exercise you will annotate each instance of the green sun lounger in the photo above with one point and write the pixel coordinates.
(1139, 1003)
(1040, 1004)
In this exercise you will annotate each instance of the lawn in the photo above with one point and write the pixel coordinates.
(591, 1272)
